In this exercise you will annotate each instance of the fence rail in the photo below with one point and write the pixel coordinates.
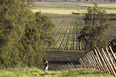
(100, 59)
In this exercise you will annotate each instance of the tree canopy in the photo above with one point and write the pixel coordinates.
(20, 34)
(95, 29)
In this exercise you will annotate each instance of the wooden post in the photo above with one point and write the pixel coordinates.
(72, 65)
(94, 60)
(81, 61)
(95, 65)
(99, 62)
(85, 62)
(89, 60)
(110, 58)
(103, 61)
(108, 63)
(112, 53)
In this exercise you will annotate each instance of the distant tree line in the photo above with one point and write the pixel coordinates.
(22, 35)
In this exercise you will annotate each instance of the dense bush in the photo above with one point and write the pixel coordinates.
(20, 35)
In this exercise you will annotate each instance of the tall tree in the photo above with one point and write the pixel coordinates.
(20, 34)
(12, 25)
(95, 30)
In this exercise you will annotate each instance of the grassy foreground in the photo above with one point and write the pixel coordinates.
(34, 72)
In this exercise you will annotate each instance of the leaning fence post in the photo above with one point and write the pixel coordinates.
(94, 60)
(81, 61)
(86, 62)
(87, 57)
(99, 61)
(112, 53)
(108, 62)
(105, 66)
(111, 59)
(102, 60)
(91, 59)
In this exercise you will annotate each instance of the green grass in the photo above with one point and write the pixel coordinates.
(58, 10)
(69, 7)
(34, 72)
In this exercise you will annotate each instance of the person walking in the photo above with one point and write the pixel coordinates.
(46, 65)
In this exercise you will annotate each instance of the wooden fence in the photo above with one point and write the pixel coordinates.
(100, 59)
(69, 66)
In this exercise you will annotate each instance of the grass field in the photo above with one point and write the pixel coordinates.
(69, 7)
(34, 72)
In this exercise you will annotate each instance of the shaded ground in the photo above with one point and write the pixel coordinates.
(58, 58)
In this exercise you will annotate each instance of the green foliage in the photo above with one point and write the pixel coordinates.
(95, 30)
(12, 23)
(20, 35)
(113, 44)
(45, 29)
(30, 52)
(28, 1)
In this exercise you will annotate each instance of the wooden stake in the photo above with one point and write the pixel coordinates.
(108, 63)
(103, 61)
